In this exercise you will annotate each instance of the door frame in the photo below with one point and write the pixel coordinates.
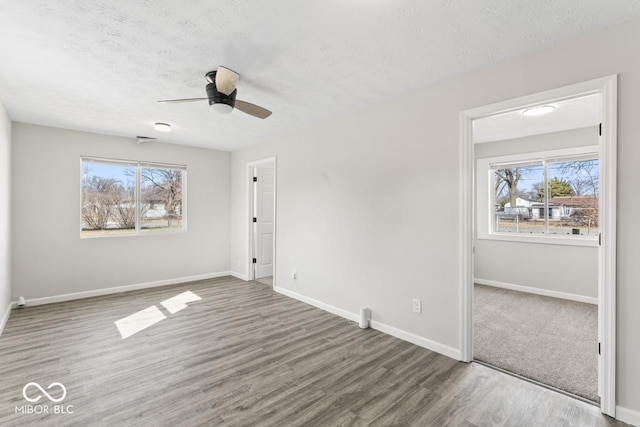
(607, 88)
(250, 191)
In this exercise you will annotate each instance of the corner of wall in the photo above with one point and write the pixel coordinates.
(239, 275)
(6, 142)
(5, 317)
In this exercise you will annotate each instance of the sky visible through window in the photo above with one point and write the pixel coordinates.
(117, 172)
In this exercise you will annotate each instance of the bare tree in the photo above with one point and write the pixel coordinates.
(165, 184)
(580, 187)
(98, 196)
(124, 207)
(583, 176)
(507, 181)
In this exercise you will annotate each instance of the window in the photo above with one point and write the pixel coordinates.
(128, 198)
(540, 195)
(548, 196)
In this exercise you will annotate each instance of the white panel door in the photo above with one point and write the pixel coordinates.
(264, 221)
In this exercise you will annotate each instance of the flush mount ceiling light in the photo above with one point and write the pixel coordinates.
(163, 127)
(538, 111)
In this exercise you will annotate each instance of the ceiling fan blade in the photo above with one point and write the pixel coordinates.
(252, 109)
(169, 101)
(226, 80)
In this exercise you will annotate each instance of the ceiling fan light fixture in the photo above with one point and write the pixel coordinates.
(221, 108)
(162, 127)
(539, 111)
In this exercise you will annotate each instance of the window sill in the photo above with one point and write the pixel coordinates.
(544, 239)
(143, 233)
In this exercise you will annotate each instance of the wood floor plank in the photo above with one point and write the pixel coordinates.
(245, 355)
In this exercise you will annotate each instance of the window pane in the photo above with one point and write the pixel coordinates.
(519, 199)
(161, 199)
(573, 197)
(108, 198)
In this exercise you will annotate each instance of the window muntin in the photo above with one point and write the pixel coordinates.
(552, 196)
(127, 197)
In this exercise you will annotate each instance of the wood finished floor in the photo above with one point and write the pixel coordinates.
(247, 356)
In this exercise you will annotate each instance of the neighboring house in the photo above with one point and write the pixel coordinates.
(559, 207)
(574, 204)
(153, 200)
(155, 203)
(522, 203)
(556, 211)
(579, 209)
(532, 209)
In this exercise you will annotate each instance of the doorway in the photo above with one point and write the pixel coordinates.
(262, 220)
(516, 216)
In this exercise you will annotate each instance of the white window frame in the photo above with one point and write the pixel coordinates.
(486, 197)
(137, 164)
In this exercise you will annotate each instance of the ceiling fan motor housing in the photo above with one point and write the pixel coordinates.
(216, 97)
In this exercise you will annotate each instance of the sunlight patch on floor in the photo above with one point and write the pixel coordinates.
(179, 302)
(139, 321)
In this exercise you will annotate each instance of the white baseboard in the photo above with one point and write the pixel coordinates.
(451, 352)
(239, 275)
(379, 326)
(321, 305)
(537, 291)
(628, 416)
(118, 289)
(5, 317)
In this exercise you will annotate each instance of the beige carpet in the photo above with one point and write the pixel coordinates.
(550, 340)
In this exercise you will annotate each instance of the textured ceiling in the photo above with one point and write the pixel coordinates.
(100, 66)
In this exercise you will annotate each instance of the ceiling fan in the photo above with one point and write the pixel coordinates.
(221, 94)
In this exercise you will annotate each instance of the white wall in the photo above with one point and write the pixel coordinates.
(546, 142)
(567, 269)
(368, 203)
(5, 215)
(50, 258)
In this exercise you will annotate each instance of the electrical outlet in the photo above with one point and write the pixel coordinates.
(294, 274)
(417, 306)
